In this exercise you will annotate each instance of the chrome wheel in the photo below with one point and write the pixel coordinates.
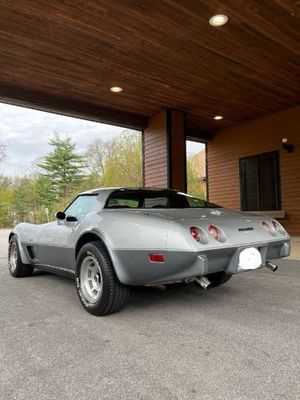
(98, 288)
(91, 281)
(13, 256)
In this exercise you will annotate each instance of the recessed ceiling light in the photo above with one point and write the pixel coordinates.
(116, 89)
(218, 117)
(218, 20)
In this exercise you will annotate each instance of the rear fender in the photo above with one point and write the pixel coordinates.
(179, 238)
(106, 243)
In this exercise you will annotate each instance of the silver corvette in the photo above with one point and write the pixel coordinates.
(111, 239)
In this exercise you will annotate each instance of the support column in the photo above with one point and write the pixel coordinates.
(164, 151)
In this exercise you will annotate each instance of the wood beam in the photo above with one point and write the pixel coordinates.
(164, 152)
(43, 102)
(198, 135)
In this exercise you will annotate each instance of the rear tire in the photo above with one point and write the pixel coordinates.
(218, 279)
(15, 265)
(99, 290)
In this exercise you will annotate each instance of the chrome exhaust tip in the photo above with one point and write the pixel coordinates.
(273, 267)
(203, 282)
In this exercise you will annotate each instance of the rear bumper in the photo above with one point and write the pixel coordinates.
(268, 251)
(134, 268)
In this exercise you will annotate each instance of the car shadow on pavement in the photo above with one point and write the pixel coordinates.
(38, 272)
(148, 298)
(176, 294)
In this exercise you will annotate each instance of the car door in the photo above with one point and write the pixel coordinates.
(57, 239)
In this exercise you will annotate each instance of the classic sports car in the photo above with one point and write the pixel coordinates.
(111, 239)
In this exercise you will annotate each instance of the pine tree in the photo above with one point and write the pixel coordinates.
(62, 166)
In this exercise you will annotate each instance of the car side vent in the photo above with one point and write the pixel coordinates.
(31, 252)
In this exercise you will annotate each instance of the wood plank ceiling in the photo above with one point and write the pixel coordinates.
(65, 55)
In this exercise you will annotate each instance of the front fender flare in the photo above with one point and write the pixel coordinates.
(24, 256)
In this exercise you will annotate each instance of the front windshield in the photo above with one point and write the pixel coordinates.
(156, 198)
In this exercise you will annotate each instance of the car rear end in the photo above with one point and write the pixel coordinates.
(223, 240)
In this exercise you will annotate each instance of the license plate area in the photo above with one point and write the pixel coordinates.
(249, 259)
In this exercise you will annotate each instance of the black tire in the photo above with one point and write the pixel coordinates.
(112, 295)
(218, 279)
(16, 268)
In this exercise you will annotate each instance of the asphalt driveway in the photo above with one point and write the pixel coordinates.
(240, 341)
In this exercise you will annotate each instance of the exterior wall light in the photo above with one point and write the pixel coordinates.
(287, 146)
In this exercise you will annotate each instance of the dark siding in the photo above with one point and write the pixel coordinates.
(259, 178)
(249, 186)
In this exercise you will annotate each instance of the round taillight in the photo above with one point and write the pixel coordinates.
(278, 227)
(198, 234)
(195, 233)
(214, 232)
(268, 227)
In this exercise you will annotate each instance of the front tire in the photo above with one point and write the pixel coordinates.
(99, 290)
(15, 265)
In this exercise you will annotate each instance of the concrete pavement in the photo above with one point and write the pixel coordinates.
(238, 342)
(4, 242)
(295, 255)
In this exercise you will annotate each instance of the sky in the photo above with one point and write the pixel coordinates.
(194, 147)
(26, 132)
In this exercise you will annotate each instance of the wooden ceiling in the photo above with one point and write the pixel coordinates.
(65, 55)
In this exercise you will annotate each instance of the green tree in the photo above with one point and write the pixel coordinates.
(116, 162)
(6, 199)
(194, 182)
(63, 167)
(24, 200)
(45, 198)
(44, 193)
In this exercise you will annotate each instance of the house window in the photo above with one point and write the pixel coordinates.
(259, 179)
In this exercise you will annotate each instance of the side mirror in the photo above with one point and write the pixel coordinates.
(70, 218)
(60, 215)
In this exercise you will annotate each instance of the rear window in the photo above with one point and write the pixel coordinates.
(160, 198)
(119, 202)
